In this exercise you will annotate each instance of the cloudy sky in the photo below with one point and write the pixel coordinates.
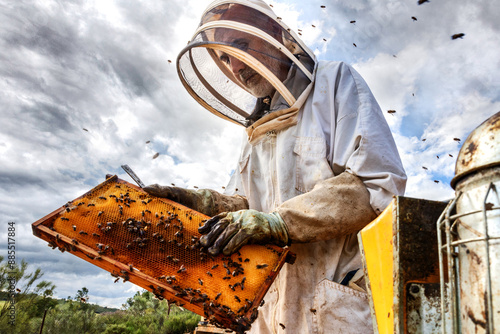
(85, 84)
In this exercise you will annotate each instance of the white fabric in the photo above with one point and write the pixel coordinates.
(340, 128)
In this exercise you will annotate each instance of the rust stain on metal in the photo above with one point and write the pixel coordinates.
(477, 322)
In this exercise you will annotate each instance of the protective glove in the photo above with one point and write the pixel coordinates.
(200, 201)
(229, 231)
(209, 202)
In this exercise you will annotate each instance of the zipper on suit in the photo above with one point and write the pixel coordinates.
(272, 165)
(272, 168)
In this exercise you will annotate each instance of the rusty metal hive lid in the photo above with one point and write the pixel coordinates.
(480, 150)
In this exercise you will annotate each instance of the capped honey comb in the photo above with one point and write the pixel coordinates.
(154, 243)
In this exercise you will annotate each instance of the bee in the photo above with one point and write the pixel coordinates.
(231, 287)
(425, 168)
(90, 256)
(282, 326)
(175, 260)
(117, 186)
(226, 277)
(128, 245)
(74, 227)
(209, 274)
(237, 299)
(263, 302)
(156, 155)
(456, 139)
(91, 204)
(68, 209)
(200, 281)
(74, 241)
(215, 266)
(81, 203)
(436, 181)
(83, 233)
(100, 213)
(64, 218)
(354, 45)
(323, 6)
(391, 111)
(422, 1)
(131, 267)
(178, 234)
(147, 211)
(451, 156)
(413, 18)
(117, 279)
(247, 260)
(313, 25)
(102, 197)
(218, 295)
(262, 266)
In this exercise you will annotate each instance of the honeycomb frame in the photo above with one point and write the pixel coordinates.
(153, 243)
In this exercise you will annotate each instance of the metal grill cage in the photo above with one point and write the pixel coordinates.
(469, 249)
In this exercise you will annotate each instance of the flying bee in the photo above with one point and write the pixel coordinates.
(455, 36)
(282, 326)
(391, 111)
(117, 279)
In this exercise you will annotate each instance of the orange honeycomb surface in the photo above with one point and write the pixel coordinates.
(153, 243)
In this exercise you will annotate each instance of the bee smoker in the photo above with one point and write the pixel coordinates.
(469, 236)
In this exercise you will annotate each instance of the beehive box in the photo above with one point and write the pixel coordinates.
(154, 243)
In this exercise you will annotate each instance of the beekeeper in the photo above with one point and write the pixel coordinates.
(318, 163)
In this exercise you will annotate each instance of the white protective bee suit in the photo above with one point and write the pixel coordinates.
(327, 163)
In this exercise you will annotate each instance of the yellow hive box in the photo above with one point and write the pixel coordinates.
(153, 243)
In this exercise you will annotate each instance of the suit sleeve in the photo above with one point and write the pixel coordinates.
(364, 159)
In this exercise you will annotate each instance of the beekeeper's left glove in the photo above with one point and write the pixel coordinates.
(227, 232)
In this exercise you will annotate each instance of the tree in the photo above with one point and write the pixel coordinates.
(27, 295)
